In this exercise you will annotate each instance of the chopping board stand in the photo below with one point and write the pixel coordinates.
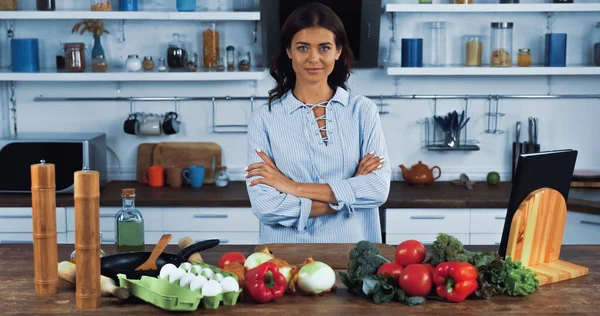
(535, 237)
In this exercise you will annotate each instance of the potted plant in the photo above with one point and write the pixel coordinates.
(96, 27)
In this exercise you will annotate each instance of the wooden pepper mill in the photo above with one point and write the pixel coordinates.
(87, 238)
(45, 248)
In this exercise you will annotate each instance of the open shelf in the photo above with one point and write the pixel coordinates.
(139, 15)
(494, 8)
(441, 147)
(492, 71)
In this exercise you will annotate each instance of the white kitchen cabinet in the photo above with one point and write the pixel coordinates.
(582, 229)
(27, 238)
(425, 239)
(209, 219)
(427, 221)
(19, 220)
(487, 221)
(153, 221)
(108, 238)
(485, 239)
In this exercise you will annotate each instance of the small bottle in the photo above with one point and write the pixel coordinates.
(102, 253)
(99, 64)
(133, 63)
(220, 64)
(148, 63)
(244, 61)
(162, 65)
(230, 57)
(524, 57)
(129, 225)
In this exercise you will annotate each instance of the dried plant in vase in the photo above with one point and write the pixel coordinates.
(96, 27)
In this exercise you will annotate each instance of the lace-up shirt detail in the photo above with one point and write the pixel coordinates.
(288, 134)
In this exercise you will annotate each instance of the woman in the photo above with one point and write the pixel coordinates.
(306, 180)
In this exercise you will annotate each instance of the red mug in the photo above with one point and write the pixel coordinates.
(154, 176)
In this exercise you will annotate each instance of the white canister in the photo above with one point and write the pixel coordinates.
(133, 63)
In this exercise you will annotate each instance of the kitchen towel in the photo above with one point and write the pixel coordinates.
(25, 55)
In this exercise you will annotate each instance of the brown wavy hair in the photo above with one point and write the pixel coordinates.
(309, 15)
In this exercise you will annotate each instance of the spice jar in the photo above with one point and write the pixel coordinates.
(524, 57)
(221, 177)
(101, 5)
(501, 44)
(176, 53)
(244, 60)
(210, 46)
(230, 57)
(473, 50)
(99, 64)
(220, 64)
(133, 63)
(74, 57)
(463, 1)
(596, 43)
(162, 65)
(148, 63)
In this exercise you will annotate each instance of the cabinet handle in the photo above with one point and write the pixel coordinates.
(211, 215)
(221, 241)
(590, 223)
(107, 215)
(14, 216)
(428, 217)
(16, 242)
(500, 217)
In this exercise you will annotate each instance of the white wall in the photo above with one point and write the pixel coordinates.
(563, 123)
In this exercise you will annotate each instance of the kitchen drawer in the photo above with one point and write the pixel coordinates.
(210, 219)
(226, 238)
(582, 229)
(18, 220)
(152, 218)
(486, 239)
(487, 220)
(27, 238)
(426, 221)
(108, 238)
(425, 239)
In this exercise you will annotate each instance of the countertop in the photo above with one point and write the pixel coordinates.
(580, 295)
(402, 195)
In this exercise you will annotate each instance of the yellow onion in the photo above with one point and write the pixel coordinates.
(315, 277)
(288, 272)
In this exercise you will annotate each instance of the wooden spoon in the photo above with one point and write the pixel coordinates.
(150, 264)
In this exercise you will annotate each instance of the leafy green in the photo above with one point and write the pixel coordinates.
(515, 279)
(362, 279)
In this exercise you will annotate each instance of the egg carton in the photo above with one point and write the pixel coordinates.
(227, 298)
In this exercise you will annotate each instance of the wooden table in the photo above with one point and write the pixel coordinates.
(581, 295)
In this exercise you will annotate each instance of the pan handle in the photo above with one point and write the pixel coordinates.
(199, 246)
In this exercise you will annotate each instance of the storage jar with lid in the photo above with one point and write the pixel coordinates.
(501, 41)
(596, 44)
(176, 53)
(74, 57)
(210, 46)
(148, 63)
(463, 1)
(435, 43)
(524, 57)
(133, 63)
(101, 5)
(230, 57)
(45, 5)
(473, 45)
(244, 60)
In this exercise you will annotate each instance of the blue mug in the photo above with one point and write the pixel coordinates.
(194, 175)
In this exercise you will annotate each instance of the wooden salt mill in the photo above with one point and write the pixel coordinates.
(87, 238)
(45, 249)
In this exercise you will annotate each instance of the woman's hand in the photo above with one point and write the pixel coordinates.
(270, 174)
(369, 164)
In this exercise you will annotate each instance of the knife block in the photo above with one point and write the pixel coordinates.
(535, 237)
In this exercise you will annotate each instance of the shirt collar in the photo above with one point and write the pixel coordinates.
(292, 104)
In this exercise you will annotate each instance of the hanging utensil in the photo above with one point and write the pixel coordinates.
(516, 149)
(536, 145)
(529, 144)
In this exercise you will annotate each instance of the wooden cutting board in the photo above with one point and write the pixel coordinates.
(185, 154)
(335, 255)
(144, 160)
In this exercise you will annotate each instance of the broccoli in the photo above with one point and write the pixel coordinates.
(365, 259)
(448, 248)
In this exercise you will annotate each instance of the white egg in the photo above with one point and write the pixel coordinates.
(198, 282)
(196, 269)
(176, 274)
(229, 284)
(218, 277)
(185, 266)
(207, 273)
(166, 270)
(186, 279)
(211, 288)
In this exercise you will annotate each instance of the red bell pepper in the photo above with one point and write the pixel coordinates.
(455, 281)
(265, 283)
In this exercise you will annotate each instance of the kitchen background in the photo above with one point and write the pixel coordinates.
(563, 123)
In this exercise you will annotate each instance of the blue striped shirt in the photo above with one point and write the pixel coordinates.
(290, 135)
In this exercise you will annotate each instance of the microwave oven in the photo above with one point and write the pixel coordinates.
(69, 152)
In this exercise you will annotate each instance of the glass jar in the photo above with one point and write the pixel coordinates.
(74, 57)
(596, 43)
(463, 1)
(186, 5)
(99, 64)
(129, 225)
(133, 63)
(162, 65)
(192, 65)
(101, 5)
(524, 57)
(436, 43)
(210, 46)
(244, 60)
(394, 53)
(425, 1)
(73, 257)
(473, 50)
(45, 5)
(501, 44)
(148, 63)
(128, 5)
(221, 177)
(176, 53)
(220, 64)
(230, 57)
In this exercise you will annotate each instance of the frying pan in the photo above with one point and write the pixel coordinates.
(126, 262)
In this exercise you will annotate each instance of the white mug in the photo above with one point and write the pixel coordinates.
(151, 126)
